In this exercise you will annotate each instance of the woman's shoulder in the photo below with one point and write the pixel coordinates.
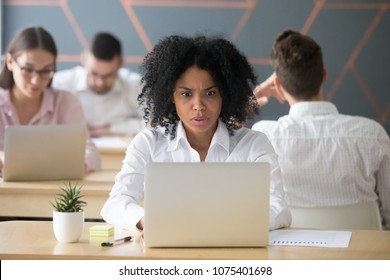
(150, 139)
(151, 134)
(63, 102)
(62, 95)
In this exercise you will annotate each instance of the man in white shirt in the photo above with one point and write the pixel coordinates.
(108, 93)
(326, 158)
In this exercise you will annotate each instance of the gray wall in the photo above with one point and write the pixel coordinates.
(354, 35)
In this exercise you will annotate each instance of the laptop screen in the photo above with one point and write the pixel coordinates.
(44, 152)
(206, 204)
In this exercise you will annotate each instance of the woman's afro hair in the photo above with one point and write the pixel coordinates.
(173, 55)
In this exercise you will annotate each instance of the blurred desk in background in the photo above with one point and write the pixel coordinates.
(32, 199)
(112, 151)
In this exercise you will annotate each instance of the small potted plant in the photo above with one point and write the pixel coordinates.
(68, 213)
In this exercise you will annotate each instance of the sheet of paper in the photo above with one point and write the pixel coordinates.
(110, 142)
(310, 238)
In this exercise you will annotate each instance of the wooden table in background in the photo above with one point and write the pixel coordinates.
(32, 199)
(112, 151)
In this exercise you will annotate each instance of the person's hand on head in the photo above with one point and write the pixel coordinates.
(267, 89)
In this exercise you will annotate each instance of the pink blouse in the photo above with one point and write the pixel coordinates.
(58, 107)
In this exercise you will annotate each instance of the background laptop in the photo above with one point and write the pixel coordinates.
(44, 152)
(206, 204)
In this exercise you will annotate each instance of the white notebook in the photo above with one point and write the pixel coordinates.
(310, 238)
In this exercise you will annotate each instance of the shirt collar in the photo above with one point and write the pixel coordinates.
(221, 137)
(47, 102)
(46, 106)
(313, 108)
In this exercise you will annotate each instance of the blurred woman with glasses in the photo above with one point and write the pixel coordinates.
(26, 95)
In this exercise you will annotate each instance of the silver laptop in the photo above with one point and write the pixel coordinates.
(206, 204)
(44, 152)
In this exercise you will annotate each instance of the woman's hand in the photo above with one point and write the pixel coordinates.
(140, 226)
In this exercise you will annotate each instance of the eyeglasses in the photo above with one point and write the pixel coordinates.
(28, 73)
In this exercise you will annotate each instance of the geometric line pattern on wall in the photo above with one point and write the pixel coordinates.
(381, 9)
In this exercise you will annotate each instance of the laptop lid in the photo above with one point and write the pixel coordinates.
(206, 204)
(44, 152)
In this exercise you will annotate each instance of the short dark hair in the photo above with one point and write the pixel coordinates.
(298, 64)
(29, 38)
(173, 55)
(105, 46)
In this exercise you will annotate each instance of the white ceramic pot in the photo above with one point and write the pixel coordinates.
(68, 226)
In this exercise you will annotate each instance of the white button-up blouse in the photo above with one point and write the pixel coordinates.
(123, 208)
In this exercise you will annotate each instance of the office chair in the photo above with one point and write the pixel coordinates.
(356, 216)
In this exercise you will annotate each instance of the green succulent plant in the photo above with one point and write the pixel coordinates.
(70, 199)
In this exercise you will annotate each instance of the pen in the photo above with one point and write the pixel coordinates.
(117, 241)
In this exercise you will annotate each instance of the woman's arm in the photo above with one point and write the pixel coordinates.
(124, 207)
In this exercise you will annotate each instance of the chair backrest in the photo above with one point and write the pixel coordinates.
(356, 216)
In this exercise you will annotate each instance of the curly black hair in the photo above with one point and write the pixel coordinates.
(173, 55)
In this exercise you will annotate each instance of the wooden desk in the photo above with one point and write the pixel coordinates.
(35, 240)
(111, 158)
(112, 151)
(32, 199)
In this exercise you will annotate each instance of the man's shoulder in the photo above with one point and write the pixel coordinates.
(128, 81)
(151, 135)
(74, 71)
(128, 75)
(363, 125)
(264, 125)
(68, 77)
(72, 79)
